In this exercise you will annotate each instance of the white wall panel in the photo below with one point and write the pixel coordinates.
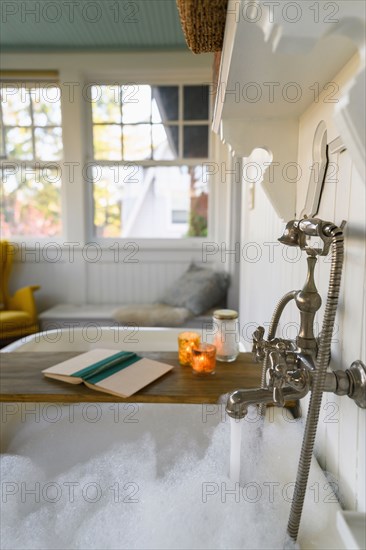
(340, 443)
(105, 281)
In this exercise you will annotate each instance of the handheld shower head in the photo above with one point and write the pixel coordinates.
(292, 236)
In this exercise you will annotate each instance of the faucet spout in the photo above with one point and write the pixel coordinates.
(239, 400)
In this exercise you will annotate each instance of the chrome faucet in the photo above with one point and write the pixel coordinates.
(290, 369)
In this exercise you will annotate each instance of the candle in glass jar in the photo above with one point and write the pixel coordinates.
(204, 359)
(226, 325)
(186, 342)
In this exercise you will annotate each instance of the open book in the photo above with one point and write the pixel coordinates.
(122, 374)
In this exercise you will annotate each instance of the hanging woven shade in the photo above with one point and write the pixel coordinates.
(203, 23)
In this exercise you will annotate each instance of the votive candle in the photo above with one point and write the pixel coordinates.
(204, 359)
(186, 342)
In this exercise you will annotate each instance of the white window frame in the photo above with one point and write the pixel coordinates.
(35, 163)
(147, 243)
(79, 69)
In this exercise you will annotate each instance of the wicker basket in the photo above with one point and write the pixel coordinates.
(203, 23)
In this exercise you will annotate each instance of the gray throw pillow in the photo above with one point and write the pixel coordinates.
(198, 289)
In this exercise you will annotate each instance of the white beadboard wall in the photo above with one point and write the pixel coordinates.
(341, 441)
(105, 281)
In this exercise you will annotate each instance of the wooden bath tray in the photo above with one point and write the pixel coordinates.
(21, 380)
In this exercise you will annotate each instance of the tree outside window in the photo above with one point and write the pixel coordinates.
(31, 146)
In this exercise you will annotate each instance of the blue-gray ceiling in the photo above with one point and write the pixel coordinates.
(53, 25)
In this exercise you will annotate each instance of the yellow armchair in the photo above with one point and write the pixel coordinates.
(18, 313)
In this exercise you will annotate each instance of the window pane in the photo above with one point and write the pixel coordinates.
(179, 216)
(46, 106)
(107, 142)
(195, 102)
(106, 105)
(198, 218)
(31, 203)
(2, 144)
(16, 106)
(165, 142)
(195, 141)
(48, 143)
(19, 143)
(165, 103)
(154, 202)
(136, 103)
(137, 142)
(107, 193)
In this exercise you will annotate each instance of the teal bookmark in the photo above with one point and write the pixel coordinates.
(106, 367)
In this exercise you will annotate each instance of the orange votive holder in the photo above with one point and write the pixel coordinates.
(204, 359)
(186, 342)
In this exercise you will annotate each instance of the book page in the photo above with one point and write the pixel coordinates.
(68, 367)
(133, 378)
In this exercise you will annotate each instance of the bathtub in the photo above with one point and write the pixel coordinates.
(127, 475)
(93, 336)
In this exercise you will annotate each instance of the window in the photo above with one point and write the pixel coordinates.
(31, 145)
(150, 145)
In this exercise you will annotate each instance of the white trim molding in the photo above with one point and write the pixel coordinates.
(278, 59)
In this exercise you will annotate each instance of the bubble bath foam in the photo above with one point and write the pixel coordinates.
(128, 476)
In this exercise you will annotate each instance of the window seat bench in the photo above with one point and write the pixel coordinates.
(84, 315)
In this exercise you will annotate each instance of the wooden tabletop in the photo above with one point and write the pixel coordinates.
(21, 380)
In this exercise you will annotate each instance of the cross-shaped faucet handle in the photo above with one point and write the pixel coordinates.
(258, 343)
(276, 376)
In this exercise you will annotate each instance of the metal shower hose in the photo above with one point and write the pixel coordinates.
(322, 363)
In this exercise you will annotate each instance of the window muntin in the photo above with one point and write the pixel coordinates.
(31, 146)
(162, 134)
(31, 121)
(139, 119)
